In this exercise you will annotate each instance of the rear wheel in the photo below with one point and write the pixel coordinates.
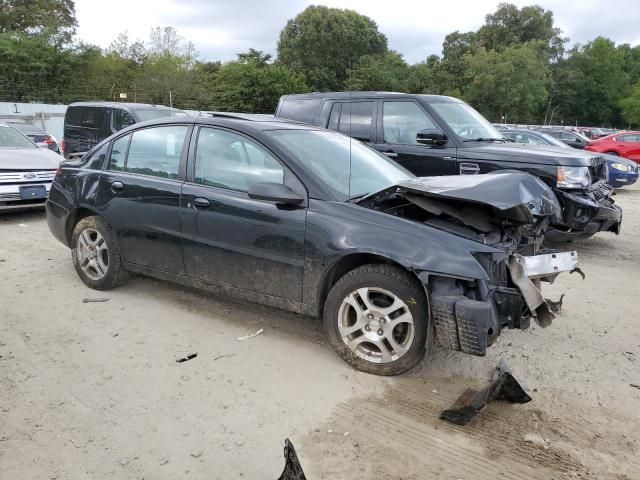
(96, 254)
(377, 319)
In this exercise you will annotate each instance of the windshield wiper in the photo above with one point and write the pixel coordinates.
(357, 197)
(486, 139)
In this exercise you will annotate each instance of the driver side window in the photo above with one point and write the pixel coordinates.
(402, 121)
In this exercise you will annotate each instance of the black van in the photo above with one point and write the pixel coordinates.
(434, 135)
(88, 123)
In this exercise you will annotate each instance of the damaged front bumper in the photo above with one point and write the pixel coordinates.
(469, 315)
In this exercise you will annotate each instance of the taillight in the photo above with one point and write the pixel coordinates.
(49, 140)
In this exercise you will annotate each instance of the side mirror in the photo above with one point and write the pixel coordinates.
(275, 192)
(431, 136)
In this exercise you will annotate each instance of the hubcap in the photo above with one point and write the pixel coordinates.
(92, 254)
(376, 325)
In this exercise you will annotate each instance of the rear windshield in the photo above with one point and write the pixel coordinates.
(153, 113)
(11, 138)
(27, 128)
(300, 109)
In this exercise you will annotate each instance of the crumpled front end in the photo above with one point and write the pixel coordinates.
(468, 315)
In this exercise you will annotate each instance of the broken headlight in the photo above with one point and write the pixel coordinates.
(574, 177)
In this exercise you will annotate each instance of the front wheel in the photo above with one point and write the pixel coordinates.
(96, 254)
(377, 319)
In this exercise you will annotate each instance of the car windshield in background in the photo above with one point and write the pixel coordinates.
(328, 156)
(153, 113)
(27, 128)
(554, 141)
(466, 122)
(11, 138)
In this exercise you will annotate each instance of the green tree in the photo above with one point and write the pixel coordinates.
(509, 25)
(631, 106)
(386, 71)
(324, 43)
(54, 19)
(251, 86)
(511, 82)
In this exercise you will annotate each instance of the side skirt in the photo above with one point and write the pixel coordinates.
(234, 292)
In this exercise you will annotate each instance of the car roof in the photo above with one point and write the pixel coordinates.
(129, 105)
(251, 120)
(370, 94)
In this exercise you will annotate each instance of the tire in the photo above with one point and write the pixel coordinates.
(96, 254)
(400, 314)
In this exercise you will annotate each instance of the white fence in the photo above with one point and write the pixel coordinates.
(48, 117)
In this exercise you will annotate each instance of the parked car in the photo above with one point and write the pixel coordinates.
(313, 222)
(39, 136)
(88, 123)
(621, 172)
(573, 139)
(438, 135)
(26, 171)
(623, 144)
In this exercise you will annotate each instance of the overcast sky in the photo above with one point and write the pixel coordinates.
(221, 28)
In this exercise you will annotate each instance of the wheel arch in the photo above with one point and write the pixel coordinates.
(77, 214)
(351, 261)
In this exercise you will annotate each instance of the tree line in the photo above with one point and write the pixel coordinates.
(517, 67)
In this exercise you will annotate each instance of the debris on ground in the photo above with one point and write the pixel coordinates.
(536, 440)
(186, 358)
(115, 334)
(503, 386)
(634, 385)
(223, 356)
(94, 300)
(251, 335)
(555, 307)
(164, 461)
(292, 468)
(196, 454)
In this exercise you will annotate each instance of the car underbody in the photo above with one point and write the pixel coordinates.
(468, 314)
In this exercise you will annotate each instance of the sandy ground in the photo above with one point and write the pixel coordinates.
(92, 390)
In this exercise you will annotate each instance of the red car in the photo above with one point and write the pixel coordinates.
(622, 144)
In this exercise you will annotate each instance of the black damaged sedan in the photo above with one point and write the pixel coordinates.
(311, 221)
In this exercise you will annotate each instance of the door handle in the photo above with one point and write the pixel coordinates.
(200, 202)
(391, 154)
(117, 187)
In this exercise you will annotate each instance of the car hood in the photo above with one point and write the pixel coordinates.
(521, 153)
(514, 196)
(28, 159)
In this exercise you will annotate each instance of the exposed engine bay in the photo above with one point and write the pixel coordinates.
(509, 212)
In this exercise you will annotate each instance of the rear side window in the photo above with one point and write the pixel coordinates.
(95, 161)
(156, 151)
(119, 153)
(300, 109)
(120, 119)
(355, 120)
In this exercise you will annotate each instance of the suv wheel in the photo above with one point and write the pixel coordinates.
(377, 319)
(96, 254)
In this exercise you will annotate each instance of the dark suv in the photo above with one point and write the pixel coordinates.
(438, 135)
(88, 123)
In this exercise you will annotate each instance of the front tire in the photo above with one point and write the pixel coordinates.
(377, 319)
(96, 254)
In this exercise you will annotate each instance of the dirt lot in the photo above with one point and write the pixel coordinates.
(92, 390)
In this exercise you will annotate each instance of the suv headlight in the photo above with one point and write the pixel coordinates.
(620, 166)
(574, 177)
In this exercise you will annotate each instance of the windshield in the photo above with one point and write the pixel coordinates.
(153, 113)
(554, 141)
(11, 138)
(466, 122)
(328, 155)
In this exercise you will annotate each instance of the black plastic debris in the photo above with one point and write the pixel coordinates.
(292, 467)
(186, 357)
(555, 307)
(94, 300)
(503, 386)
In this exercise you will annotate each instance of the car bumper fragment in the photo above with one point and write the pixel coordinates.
(471, 324)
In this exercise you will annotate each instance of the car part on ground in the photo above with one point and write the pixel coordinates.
(502, 386)
(26, 171)
(438, 135)
(292, 467)
(419, 258)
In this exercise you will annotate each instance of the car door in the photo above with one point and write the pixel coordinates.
(629, 146)
(229, 238)
(139, 195)
(399, 123)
